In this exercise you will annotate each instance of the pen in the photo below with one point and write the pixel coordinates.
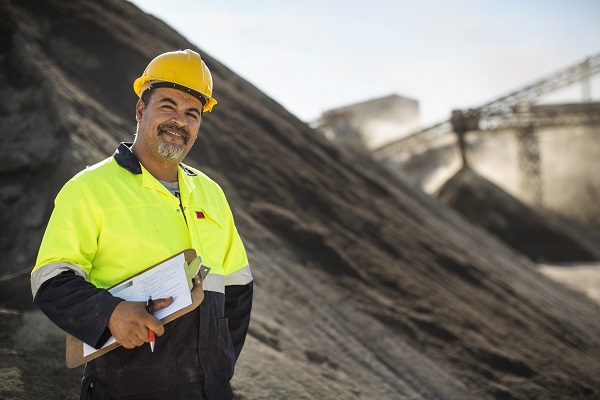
(150, 309)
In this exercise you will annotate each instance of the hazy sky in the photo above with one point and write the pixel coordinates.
(311, 56)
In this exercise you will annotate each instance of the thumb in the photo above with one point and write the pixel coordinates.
(159, 304)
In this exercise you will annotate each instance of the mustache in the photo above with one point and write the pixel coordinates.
(174, 128)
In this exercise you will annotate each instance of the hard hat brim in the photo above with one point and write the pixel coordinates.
(144, 83)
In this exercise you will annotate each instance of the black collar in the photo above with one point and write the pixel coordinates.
(126, 159)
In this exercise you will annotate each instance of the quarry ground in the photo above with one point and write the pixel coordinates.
(30, 336)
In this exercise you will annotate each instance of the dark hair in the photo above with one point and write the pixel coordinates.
(146, 94)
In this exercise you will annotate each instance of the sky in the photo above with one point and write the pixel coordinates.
(314, 55)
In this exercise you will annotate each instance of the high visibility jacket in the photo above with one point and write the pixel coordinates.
(115, 219)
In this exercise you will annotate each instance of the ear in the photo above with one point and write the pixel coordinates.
(139, 110)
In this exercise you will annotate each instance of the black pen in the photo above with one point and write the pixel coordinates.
(150, 309)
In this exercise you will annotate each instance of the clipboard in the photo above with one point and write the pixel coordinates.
(74, 346)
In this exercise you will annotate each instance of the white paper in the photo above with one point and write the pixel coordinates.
(164, 280)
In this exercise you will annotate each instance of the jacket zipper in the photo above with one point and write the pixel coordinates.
(182, 208)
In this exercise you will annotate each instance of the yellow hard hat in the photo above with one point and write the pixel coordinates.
(183, 70)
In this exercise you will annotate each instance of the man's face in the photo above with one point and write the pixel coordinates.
(168, 125)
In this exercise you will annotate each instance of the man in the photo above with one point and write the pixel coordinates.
(130, 211)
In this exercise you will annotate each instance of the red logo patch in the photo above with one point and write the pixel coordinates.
(199, 215)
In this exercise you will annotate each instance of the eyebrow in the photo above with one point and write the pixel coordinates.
(170, 100)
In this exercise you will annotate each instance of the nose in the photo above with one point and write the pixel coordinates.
(179, 119)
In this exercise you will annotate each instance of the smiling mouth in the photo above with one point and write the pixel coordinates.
(174, 131)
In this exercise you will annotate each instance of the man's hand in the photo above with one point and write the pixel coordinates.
(129, 322)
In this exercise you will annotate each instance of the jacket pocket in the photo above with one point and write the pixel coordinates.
(226, 352)
(211, 234)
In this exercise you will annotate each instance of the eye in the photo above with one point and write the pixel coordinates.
(167, 107)
(193, 116)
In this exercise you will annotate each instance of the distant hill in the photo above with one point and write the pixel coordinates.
(365, 287)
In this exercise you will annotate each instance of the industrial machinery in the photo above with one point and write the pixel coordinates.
(515, 111)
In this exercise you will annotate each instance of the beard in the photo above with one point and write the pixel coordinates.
(172, 151)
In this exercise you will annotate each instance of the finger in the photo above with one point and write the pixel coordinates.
(159, 304)
(144, 337)
(155, 325)
(136, 341)
(127, 344)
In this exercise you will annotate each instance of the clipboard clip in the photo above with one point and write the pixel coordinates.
(204, 270)
(196, 271)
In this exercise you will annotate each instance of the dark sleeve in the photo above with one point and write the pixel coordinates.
(238, 305)
(77, 307)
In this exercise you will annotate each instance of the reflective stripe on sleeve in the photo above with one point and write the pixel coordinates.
(49, 271)
(217, 283)
(214, 283)
(242, 277)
